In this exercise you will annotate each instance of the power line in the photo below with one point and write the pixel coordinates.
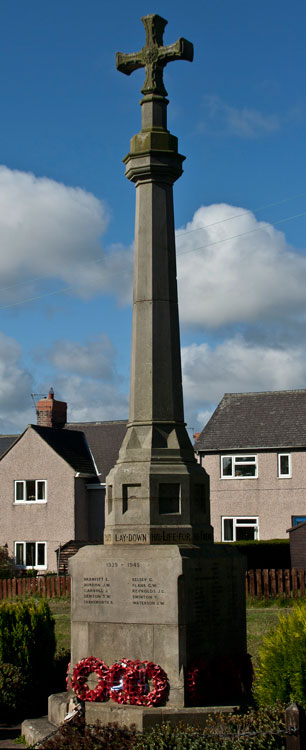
(243, 213)
(233, 236)
(184, 252)
(178, 236)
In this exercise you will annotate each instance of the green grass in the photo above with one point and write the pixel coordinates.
(259, 621)
(60, 609)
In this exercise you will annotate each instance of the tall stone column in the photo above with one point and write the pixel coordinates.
(156, 493)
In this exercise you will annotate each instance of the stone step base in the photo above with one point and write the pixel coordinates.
(146, 718)
(36, 730)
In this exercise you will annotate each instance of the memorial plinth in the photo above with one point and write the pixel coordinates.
(165, 604)
(159, 590)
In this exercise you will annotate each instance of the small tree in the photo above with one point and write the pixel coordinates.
(7, 564)
(27, 637)
(281, 674)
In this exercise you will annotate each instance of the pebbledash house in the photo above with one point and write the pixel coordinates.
(52, 486)
(254, 449)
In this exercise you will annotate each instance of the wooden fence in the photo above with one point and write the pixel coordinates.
(48, 586)
(289, 583)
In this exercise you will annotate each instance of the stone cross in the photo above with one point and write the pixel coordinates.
(154, 56)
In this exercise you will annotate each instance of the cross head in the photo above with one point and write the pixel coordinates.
(154, 56)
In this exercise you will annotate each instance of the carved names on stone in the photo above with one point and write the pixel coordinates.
(128, 578)
(97, 590)
(147, 592)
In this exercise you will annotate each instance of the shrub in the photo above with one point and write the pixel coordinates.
(76, 736)
(274, 553)
(13, 693)
(27, 637)
(255, 730)
(281, 673)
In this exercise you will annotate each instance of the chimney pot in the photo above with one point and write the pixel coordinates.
(51, 413)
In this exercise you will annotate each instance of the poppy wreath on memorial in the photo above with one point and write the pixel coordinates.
(126, 681)
(225, 676)
(80, 674)
(198, 680)
(115, 680)
(136, 684)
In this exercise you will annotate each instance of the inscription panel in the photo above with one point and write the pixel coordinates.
(211, 614)
(116, 587)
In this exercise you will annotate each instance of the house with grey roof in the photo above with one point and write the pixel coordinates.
(254, 449)
(52, 485)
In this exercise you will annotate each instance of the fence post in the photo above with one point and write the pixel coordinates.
(287, 583)
(280, 582)
(258, 584)
(266, 583)
(294, 583)
(302, 582)
(273, 582)
(295, 724)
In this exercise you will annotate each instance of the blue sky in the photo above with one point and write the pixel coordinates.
(67, 210)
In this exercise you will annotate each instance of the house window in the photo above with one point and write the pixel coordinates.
(31, 491)
(284, 465)
(31, 555)
(239, 467)
(295, 520)
(236, 528)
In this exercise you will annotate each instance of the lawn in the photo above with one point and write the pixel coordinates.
(259, 621)
(60, 609)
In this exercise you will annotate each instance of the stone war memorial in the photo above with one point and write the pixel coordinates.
(158, 610)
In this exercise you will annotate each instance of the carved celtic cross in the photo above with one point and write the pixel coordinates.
(154, 56)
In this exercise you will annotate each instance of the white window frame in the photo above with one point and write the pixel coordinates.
(35, 566)
(254, 525)
(24, 501)
(235, 463)
(279, 474)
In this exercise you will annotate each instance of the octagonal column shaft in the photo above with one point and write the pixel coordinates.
(156, 381)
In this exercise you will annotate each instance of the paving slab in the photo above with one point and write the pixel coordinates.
(36, 730)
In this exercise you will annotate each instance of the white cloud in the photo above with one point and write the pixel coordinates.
(91, 400)
(236, 269)
(236, 366)
(95, 358)
(86, 377)
(16, 385)
(49, 231)
(244, 122)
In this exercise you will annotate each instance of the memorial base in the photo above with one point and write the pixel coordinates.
(165, 604)
(145, 719)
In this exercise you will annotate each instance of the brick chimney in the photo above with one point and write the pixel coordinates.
(51, 413)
